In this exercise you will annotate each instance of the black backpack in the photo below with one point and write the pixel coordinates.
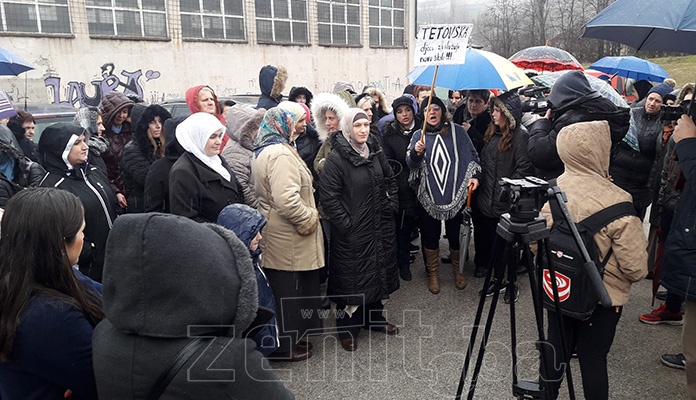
(576, 294)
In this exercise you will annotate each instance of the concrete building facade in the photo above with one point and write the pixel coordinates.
(83, 49)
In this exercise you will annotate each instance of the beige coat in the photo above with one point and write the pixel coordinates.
(584, 149)
(292, 239)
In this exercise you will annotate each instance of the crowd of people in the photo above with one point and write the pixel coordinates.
(132, 240)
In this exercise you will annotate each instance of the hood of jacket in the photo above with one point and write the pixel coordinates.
(272, 80)
(585, 147)
(55, 144)
(510, 105)
(295, 91)
(155, 263)
(243, 123)
(568, 89)
(112, 104)
(327, 101)
(244, 221)
(147, 114)
(192, 99)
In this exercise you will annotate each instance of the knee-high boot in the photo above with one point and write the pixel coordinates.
(459, 279)
(432, 263)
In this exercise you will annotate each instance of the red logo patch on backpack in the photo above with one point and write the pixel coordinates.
(562, 282)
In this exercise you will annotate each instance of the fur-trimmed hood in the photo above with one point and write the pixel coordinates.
(112, 104)
(510, 105)
(301, 90)
(243, 123)
(141, 116)
(208, 269)
(322, 102)
(272, 80)
(688, 88)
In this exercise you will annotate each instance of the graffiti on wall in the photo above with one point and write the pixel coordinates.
(79, 94)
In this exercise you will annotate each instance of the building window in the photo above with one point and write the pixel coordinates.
(387, 23)
(35, 16)
(281, 21)
(212, 19)
(339, 22)
(134, 18)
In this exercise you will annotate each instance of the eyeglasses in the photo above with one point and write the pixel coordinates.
(434, 107)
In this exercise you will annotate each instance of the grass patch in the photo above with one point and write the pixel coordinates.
(681, 69)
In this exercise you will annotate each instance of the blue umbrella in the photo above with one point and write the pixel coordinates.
(631, 67)
(481, 70)
(12, 64)
(665, 25)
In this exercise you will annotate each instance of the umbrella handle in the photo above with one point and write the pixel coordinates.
(468, 196)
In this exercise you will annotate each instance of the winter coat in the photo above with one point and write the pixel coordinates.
(573, 101)
(478, 127)
(198, 192)
(52, 351)
(139, 154)
(629, 168)
(28, 147)
(679, 276)
(272, 82)
(584, 149)
(156, 192)
(90, 185)
(292, 238)
(111, 105)
(242, 126)
(246, 223)
(359, 196)
(26, 173)
(395, 143)
(211, 293)
(307, 145)
(86, 117)
(495, 165)
(671, 180)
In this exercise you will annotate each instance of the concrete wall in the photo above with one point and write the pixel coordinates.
(79, 70)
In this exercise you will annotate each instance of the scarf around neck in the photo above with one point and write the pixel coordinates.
(352, 115)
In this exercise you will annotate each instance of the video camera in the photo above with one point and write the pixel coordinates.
(674, 112)
(537, 102)
(525, 196)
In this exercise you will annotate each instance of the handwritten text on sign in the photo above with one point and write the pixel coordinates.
(442, 44)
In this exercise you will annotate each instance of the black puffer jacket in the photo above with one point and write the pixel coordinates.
(156, 193)
(395, 143)
(308, 145)
(359, 196)
(139, 153)
(90, 185)
(198, 192)
(573, 101)
(495, 165)
(25, 173)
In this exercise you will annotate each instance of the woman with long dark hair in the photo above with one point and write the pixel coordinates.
(48, 309)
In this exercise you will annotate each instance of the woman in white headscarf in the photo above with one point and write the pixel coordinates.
(201, 183)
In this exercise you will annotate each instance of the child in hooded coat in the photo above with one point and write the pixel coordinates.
(247, 223)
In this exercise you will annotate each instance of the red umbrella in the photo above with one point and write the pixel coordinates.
(545, 58)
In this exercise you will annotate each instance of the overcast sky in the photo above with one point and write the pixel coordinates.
(449, 11)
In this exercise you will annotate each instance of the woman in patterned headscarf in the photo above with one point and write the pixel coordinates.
(292, 243)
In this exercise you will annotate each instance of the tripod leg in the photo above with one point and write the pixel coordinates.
(512, 262)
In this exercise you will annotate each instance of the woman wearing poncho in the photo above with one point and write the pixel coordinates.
(442, 168)
(292, 242)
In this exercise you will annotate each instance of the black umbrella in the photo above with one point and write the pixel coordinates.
(664, 25)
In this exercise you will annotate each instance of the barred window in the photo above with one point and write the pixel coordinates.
(213, 19)
(35, 16)
(281, 21)
(135, 18)
(387, 23)
(339, 22)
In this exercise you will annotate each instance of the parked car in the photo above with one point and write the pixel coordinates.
(46, 114)
(178, 107)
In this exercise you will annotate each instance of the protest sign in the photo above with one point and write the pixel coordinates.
(442, 44)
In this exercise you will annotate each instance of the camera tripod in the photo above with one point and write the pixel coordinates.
(515, 232)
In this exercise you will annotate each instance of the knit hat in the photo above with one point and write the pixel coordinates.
(402, 101)
(662, 89)
(436, 101)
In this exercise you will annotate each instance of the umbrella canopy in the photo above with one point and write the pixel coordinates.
(631, 67)
(12, 64)
(6, 108)
(602, 86)
(665, 25)
(481, 70)
(545, 58)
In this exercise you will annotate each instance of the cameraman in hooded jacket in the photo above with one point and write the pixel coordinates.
(572, 100)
